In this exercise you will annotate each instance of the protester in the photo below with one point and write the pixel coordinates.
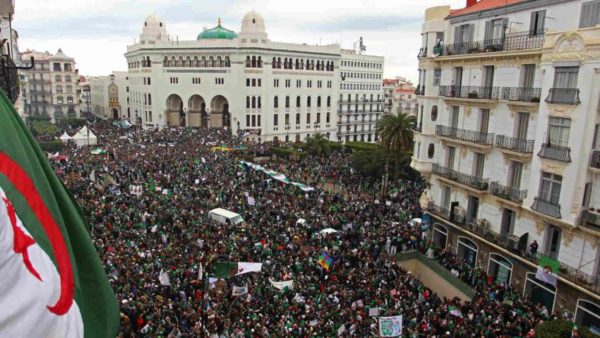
(147, 200)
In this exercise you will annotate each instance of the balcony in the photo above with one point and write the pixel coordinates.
(514, 144)
(546, 207)
(556, 153)
(591, 219)
(512, 41)
(420, 90)
(474, 182)
(563, 96)
(444, 213)
(470, 92)
(521, 94)
(595, 163)
(464, 135)
(422, 52)
(507, 193)
(9, 78)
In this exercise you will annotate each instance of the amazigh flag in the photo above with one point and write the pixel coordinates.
(325, 261)
(52, 283)
(547, 270)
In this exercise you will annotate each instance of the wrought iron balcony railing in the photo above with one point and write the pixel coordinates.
(563, 96)
(507, 193)
(514, 144)
(556, 153)
(546, 207)
(521, 94)
(464, 135)
(9, 78)
(470, 92)
(462, 178)
(591, 219)
(420, 90)
(595, 163)
(513, 41)
(445, 213)
(422, 52)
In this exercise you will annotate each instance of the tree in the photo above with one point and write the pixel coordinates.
(396, 132)
(318, 145)
(560, 328)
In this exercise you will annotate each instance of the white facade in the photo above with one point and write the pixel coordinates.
(52, 85)
(109, 96)
(509, 124)
(85, 95)
(240, 80)
(360, 103)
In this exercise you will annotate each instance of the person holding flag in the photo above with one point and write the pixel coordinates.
(51, 279)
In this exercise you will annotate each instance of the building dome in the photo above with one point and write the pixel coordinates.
(253, 26)
(218, 32)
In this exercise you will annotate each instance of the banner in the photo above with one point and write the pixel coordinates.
(390, 326)
(374, 311)
(239, 290)
(163, 278)
(288, 284)
(135, 190)
(251, 200)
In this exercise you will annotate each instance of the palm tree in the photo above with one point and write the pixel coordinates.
(318, 145)
(395, 132)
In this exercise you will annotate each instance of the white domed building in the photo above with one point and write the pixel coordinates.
(242, 81)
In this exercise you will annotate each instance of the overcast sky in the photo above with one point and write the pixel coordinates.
(96, 32)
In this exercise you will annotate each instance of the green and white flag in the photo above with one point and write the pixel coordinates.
(52, 283)
(230, 269)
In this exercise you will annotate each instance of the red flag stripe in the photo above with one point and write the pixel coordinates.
(25, 186)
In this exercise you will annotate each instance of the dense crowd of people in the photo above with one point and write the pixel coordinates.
(147, 197)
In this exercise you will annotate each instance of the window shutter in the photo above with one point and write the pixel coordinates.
(457, 34)
(532, 23)
(488, 32)
(471, 32)
(586, 15)
(504, 27)
(541, 22)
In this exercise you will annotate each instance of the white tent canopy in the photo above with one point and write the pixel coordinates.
(85, 137)
(65, 137)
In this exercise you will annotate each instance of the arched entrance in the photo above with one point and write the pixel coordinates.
(115, 114)
(197, 111)
(175, 111)
(219, 113)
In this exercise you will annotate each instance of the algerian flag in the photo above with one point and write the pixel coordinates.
(52, 283)
(455, 311)
(547, 270)
(239, 290)
(230, 269)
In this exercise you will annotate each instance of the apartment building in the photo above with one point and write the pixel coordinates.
(400, 96)
(508, 136)
(52, 85)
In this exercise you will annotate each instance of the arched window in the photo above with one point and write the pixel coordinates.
(279, 63)
(285, 63)
(287, 101)
(173, 62)
(247, 101)
(301, 63)
(276, 102)
(253, 101)
(430, 150)
(195, 62)
(434, 113)
(537, 291)
(179, 61)
(260, 62)
(227, 62)
(166, 62)
(500, 268)
(587, 313)
(328, 101)
(248, 61)
(308, 101)
(188, 61)
(440, 236)
(219, 61)
(259, 103)
(297, 64)
(298, 101)
(58, 78)
(148, 62)
(253, 61)
(211, 61)
(467, 250)
(319, 101)
(274, 62)
(203, 61)
(59, 89)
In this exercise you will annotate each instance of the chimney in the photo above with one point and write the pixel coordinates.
(471, 3)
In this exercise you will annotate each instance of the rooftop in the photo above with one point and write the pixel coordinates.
(483, 5)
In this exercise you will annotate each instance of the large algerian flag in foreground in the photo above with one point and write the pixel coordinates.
(52, 283)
